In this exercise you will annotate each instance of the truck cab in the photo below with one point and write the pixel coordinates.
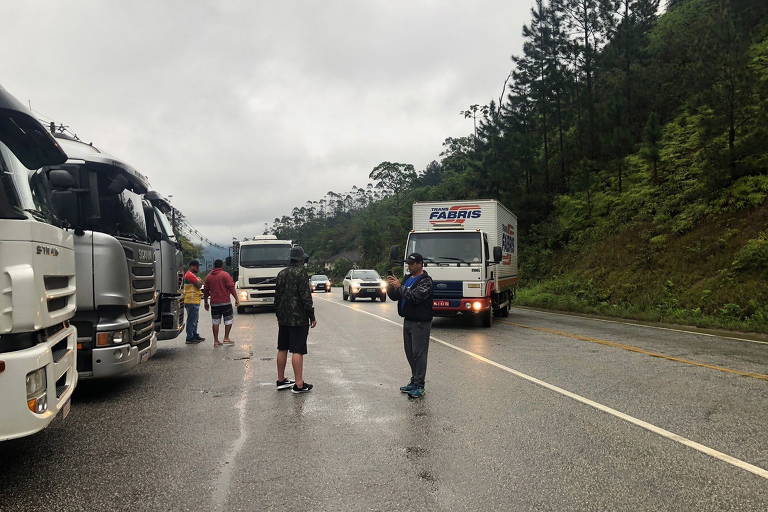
(37, 283)
(169, 267)
(101, 198)
(258, 261)
(470, 251)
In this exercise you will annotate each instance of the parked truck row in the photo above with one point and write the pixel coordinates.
(90, 271)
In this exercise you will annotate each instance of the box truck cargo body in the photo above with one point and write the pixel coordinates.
(470, 251)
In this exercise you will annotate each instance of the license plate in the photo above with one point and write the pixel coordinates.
(441, 304)
(144, 357)
(65, 409)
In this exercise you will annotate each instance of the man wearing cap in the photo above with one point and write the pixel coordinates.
(191, 299)
(295, 316)
(414, 304)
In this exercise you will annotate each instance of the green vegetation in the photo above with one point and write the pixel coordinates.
(632, 146)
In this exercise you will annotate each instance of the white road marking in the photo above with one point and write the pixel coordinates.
(642, 325)
(596, 405)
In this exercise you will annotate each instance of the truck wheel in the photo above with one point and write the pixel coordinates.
(383, 298)
(373, 299)
(344, 295)
(240, 310)
(487, 318)
(352, 298)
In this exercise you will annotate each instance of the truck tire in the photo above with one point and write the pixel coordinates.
(240, 310)
(344, 295)
(352, 298)
(373, 299)
(383, 298)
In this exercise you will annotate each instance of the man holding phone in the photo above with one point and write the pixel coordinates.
(414, 304)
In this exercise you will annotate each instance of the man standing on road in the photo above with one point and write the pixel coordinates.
(219, 286)
(295, 315)
(414, 304)
(192, 295)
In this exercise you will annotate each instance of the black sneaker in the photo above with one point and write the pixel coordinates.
(194, 341)
(304, 389)
(199, 338)
(285, 384)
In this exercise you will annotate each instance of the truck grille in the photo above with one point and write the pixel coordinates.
(448, 289)
(141, 331)
(259, 295)
(262, 280)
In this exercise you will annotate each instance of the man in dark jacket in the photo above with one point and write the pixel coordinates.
(414, 304)
(295, 315)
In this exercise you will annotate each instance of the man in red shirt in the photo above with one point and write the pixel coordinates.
(219, 286)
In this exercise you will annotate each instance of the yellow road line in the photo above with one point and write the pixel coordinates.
(638, 350)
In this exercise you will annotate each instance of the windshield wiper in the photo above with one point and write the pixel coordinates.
(37, 214)
(450, 258)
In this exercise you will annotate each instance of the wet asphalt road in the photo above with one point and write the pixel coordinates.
(198, 428)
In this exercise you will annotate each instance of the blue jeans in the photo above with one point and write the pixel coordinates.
(193, 313)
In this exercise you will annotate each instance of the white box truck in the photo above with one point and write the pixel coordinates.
(470, 251)
(37, 283)
(258, 261)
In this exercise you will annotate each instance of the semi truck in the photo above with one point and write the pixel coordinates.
(101, 199)
(470, 251)
(169, 267)
(37, 283)
(258, 261)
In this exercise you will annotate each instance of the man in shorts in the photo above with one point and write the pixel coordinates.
(295, 316)
(219, 286)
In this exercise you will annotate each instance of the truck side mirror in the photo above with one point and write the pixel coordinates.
(228, 261)
(60, 179)
(63, 198)
(497, 254)
(395, 255)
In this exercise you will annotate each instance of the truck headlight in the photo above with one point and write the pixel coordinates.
(105, 339)
(37, 385)
(477, 305)
(242, 295)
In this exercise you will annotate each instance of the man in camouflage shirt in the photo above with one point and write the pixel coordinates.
(295, 315)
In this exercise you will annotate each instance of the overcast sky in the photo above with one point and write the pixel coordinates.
(245, 109)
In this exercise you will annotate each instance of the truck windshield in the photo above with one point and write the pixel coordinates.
(165, 226)
(267, 255)
(122, 215)
(15, 194)
(439, 247)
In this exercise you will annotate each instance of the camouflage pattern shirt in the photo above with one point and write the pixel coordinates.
(293, 298)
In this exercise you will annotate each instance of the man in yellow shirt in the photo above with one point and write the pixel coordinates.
(193, 293)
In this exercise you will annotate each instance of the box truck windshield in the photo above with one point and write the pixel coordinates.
(437, 247)
(267, 255)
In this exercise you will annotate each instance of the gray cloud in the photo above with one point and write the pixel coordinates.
(243, 110)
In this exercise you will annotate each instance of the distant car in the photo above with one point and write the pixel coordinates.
(364, 283)
(320, 283)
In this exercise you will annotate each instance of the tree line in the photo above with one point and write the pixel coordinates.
(608, 99)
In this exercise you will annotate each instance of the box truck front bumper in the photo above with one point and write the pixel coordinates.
(52, 364)
(250, 297)
(459, 307)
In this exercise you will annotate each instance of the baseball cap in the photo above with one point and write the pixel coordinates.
(414, 258)
(297, 253)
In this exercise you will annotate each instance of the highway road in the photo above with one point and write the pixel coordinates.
(540, 412)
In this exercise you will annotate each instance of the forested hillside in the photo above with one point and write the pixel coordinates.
(631, 140)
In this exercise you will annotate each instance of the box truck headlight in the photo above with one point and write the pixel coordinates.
(477, 305)
(105, 339)
(242, 294)
(37, 384)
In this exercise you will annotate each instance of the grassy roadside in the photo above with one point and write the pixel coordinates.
(539, 296)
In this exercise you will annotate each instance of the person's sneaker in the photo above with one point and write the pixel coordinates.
(306, 388)
(199, 338)
(407, 388)
(285, 384)
(416, 393)
(193, 342)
